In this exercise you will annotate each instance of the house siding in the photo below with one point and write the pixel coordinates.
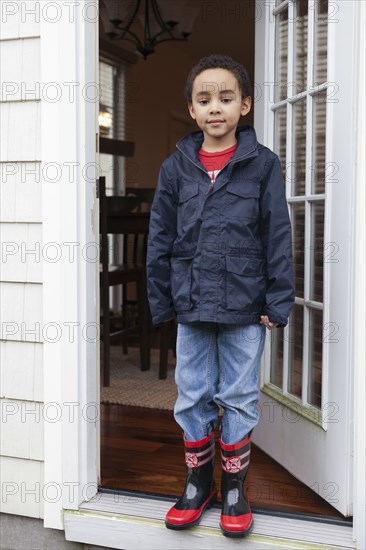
(21, 380)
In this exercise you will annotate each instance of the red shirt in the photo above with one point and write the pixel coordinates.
(214, 162)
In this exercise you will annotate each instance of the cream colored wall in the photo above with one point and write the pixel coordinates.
(154, 105)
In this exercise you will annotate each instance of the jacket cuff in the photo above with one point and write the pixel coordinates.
(164, 317)
(275, 317)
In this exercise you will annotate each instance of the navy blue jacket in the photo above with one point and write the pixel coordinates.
(223, 253)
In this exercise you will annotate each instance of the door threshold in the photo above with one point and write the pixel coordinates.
(131, 521)
(305, 516)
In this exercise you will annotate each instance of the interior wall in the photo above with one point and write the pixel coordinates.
(154, 98)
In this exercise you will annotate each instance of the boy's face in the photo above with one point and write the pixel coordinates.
(217, 104)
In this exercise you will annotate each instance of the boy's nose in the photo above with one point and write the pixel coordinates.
(215, 107)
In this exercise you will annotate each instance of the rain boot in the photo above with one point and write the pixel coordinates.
(200, 491)
(236, 518)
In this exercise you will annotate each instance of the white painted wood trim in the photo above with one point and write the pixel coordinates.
(308, 182)
(358, 337)
(20, 192)
(264, 62)
(127, 523)
(20, 19)
(338, 207)
(22, 379)
(20, 76)
(21, 252)
(20, 122)
(70, 290)
(21, 487)
(24, 419)
(290, 161)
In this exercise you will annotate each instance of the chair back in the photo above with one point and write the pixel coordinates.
(145, 194)
(118, 216)
(126, 229)
(118, 206)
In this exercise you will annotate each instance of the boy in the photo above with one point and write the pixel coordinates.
(219, 260)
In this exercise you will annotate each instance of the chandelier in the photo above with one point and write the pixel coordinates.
(159, 22)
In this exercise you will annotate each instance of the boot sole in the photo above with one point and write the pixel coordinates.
(237, 534)
(181, 527)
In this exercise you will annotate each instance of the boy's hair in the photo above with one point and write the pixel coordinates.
(218, 62)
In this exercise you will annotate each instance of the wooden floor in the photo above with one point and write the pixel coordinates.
(142, 450)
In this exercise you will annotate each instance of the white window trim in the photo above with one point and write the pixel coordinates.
(70, 214)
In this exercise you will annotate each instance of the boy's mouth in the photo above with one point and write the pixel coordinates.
(215, 121)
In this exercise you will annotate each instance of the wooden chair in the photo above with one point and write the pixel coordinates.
(145, 194)
(168, 331)
(116, 218)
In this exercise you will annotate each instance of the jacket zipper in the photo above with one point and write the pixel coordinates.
(207, 174)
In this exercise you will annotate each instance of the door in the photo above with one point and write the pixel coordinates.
(304, 90)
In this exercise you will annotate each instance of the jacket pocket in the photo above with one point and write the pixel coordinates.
(242, 199)
(181, 282)
(188, 203)
(245, 283)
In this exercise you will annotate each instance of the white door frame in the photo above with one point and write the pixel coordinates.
(359, 232)
(70, 215)
(347, 78)
(69, 62)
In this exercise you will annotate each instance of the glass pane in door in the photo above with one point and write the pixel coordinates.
(319, 121)
(301, 45)
(276, 372)
(317, 251)
(299, 140)
(321, 39)
(315, 357)
(298, 242)
(296, 333)
(281, 56)
(280, 120)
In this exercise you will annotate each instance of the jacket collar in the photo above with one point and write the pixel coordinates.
(247, 144)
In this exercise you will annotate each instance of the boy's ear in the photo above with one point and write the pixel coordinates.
(246, 105)
(191, 111)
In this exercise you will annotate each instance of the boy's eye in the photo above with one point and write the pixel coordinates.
(203, 101)
(227, 99)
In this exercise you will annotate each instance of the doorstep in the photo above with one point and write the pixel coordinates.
(136, 522)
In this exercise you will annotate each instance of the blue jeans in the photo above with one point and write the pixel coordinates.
(218, 364)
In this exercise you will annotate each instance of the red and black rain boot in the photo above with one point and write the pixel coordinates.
(200, 491)
(236, 518)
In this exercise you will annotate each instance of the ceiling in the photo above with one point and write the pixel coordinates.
(225, 27)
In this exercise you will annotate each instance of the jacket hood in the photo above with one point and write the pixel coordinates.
(245, 136)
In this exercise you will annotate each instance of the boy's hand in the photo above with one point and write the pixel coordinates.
(267, 323)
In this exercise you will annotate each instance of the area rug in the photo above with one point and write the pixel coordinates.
(131, 386)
